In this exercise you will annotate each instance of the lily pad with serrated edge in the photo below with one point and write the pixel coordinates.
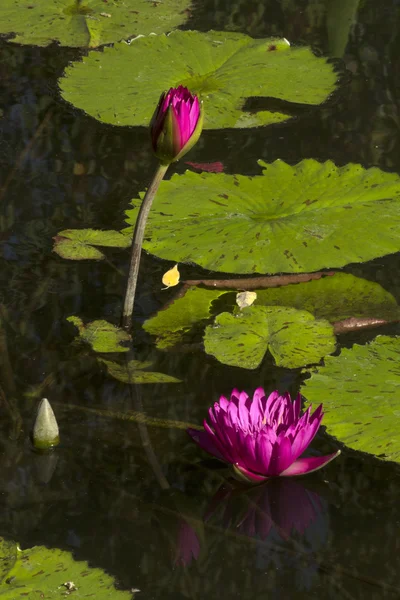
(79, 244)
(293, 337)
(122, 85)
(132, 372)
(290, 219)
(360, 392)
(101, 335)
(170, 324)
(41, 572)
(89, 23)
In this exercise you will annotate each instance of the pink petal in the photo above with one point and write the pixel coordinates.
(256, 409)
(249, 476)
(222, 444)
(205, 441)
(281, 457)
(194, 114)
(235, 394)
(304, 438)
(223, 402)
(308, 465)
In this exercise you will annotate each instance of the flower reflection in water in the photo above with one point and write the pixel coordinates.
(188, 545)
(276, 513)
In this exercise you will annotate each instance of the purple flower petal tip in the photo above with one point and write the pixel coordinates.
(302, 466)
(262, 437)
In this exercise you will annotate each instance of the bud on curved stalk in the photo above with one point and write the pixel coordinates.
(175, 127)
(45, 433)
(176, 124)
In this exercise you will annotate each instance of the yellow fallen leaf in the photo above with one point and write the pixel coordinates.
(171, 277)
(244, 299)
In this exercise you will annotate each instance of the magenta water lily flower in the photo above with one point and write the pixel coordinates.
(176, 124)
(262, 437)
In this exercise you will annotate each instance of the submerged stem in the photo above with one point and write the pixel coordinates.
(136, 248)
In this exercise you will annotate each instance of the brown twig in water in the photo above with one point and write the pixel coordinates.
(248, 283)
(255, 283)
(359, 324)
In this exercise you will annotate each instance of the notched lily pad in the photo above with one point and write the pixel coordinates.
(41, 572)
(87, 23)
(360, 391)
(101, 335)
(79, 244)
(122, 85)
(293, 337)
(290, 219)
(132, 372)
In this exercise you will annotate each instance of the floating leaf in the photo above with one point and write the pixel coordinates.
(122, 85)
(244, 299)
(131, 372)
(52, 573)
(291, 219)
(89, 23)
(171, 277)
(360, 391)
(8, 557)
(293, 337)
(170, 324)
(77, 244)
(101, 335)
(334, 298)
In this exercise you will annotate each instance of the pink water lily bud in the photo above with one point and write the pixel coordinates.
(176, 124)
(262, 437)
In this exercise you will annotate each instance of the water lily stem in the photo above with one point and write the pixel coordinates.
(136, 248)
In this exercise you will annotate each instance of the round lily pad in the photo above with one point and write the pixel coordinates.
(290, 219)
(122, 85)
(293, 337)
(101, 335)
(87, 23)
(360, 391)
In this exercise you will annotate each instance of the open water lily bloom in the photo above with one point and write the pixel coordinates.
(262, 437)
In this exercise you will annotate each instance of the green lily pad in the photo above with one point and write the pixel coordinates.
(41, 572)
(360, 391)
(8, 557)
(101, 335)
(78, 244)
(87, 23)
(170, 324)
(293, 337)
(334, 298)
(290, 219)
(122, 85)
(132, 372)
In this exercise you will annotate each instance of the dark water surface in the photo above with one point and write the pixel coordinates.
(161, 523)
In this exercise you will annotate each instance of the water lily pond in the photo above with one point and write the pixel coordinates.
(269, 268)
